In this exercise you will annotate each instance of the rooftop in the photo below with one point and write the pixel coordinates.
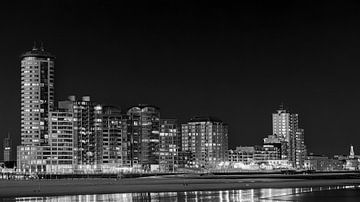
(205, 119)
(38, 52)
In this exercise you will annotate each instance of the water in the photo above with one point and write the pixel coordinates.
(332, 193)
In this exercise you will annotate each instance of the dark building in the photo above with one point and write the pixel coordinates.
(114, 137)
(144, 141)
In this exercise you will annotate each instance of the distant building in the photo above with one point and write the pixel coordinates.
(170, 139)
(352, 161)
(243, 154)
(256, 158)
(352, 153)
(7, 148)
(207, 140)
(87, 131)
(144, 139)
(323, 163)
(256, 153)
(286, 128)
(277, 142)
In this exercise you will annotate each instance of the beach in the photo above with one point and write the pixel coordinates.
(41, 187)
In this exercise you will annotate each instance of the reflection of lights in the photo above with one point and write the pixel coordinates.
(225, 196)
(252, 194)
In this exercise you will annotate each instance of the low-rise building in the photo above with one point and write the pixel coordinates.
(323, 163)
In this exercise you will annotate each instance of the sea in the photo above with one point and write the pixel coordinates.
(329, 193)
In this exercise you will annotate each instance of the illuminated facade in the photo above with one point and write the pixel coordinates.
(170, 138)
(207, 140)
(59, 154)
(286, 128)
(114, 138)
(87, 131)
(252, 154)
(144, 138)
(299, 149)
(7, 148)
(37, 95)
(37, 100)
(323, 163)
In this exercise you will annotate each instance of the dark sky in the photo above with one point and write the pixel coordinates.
(237, 62)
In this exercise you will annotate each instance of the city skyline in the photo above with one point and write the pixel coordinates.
(243, 98)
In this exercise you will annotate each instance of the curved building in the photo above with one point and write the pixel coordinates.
(37, 100)
(37, 95)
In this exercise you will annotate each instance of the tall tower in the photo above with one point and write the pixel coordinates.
(37, 95)
(352, 153)
(286, 128)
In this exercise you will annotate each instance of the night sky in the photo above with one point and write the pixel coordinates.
(235, 62)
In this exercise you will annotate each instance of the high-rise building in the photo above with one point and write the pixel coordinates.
(37, 95)
(144, 136)
(7, 148)
(207, 140)
(59, 154)
(298, 149)
(114, 138)
(87, 131)
(170, 138)
(286, 128)
(37, 100)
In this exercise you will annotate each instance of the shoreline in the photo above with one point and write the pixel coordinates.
(29, 188)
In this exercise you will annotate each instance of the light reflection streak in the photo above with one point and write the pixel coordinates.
(267, 194)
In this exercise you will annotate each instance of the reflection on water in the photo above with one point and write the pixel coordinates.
(273, 194)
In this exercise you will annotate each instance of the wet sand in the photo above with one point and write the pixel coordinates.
(21, 188)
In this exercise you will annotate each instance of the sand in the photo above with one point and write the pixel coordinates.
(22, 188)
